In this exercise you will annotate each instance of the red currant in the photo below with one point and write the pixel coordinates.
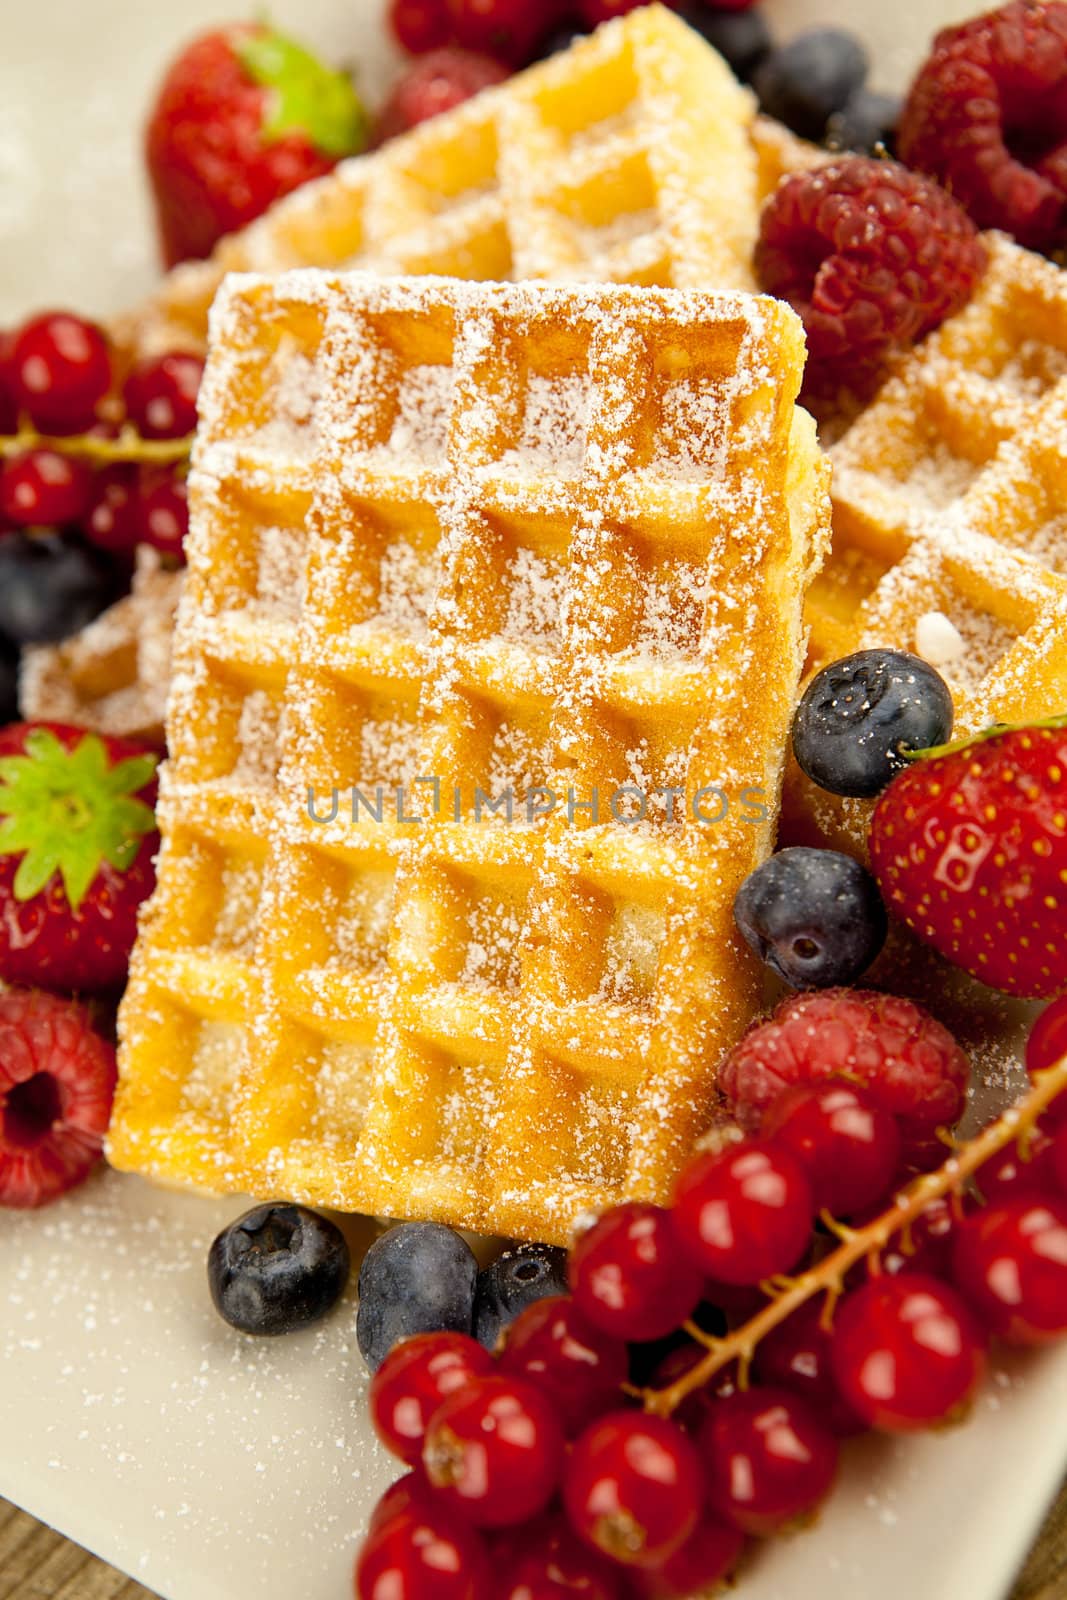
(113, 520)
(770, 1461)
(1058, 1159)
(907, 1352)
(848, 1145)
(60, 369)
(1010, 1260)
(420, 25)
(163, 510)
(507, 30)
(925, 1246)
(44, 487)
(1046, 1046)
(160, 395)
(422, 1552)
(633, 1488)
(797, 1355)
(629, 1276)
(579, 1368)
(409, 1493)
(546, 1561)
(676, 1365)
(9, 410)
(494, 1451)
(705, 1561)
(413, 1380)
(1017, 1171)
(744, 1213)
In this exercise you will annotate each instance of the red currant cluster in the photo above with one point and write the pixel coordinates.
(534, 1472)
(89, 446)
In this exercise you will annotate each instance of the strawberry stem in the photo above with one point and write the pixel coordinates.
(993, 732)
(127, 447)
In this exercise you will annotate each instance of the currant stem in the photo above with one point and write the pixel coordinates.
(129, 446)
(828, 1277)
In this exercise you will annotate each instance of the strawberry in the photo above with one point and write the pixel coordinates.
(77, 843)
(969, 847)
(57, 1082)
(243, 116)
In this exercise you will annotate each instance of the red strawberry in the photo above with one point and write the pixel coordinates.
(970, 850)
(243, 116)
(57, 1081)
(77, 843)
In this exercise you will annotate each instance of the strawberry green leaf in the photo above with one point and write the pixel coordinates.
(307, 98)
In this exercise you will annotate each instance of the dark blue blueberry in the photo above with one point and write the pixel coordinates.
(51, 584)
(559, 39)
(417, 1278)
(513, 1282)
(277, 1268)
(742, 38)
(859, 716)
(867, 123)
(815, 917)
(9, 682)
(803, 83)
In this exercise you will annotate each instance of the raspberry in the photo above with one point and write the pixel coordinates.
(435, 83)
(987, 115)
(912, 1066)
(872, 257)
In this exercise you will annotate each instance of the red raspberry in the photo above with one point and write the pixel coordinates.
(57, 1080)
(435, 83)
(871, 257)
(987, 115)
(911, 1064)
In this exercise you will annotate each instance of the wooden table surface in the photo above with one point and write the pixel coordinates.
(38, 1564)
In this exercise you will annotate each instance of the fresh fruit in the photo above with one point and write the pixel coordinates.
(1010, 1260)
(420, 25)
(703, 1563)
(579, 1368)
(112, 521)
(804, 82)
(926, 1246)
(860, 718)
(911, 1064)
(629, 1277)
(44, 486)
(507, 30)
(77, 843)
(1028, 1167)
(633, 1488)
(409, 1493)
(798, 1355)
(907, 1352)
(741, 37)
(867, 124)
(1045, 1047)
(847, 1144)
(57, 1081)
(277, 1268)
(815, 917)
(970, 851)
(413, 1380)
(426, 1553)
(987, 115)
(871, 257)
(59, 369)
(163, 510)
(51, 585)
(594, 12)
(548, 1562)
(243, 116)
(512, 1282)
(435, 83)
(493, 1451)
(769, 1461)
(1056, 1164)
(160, 395)
(745, 1213)
(417, 1278)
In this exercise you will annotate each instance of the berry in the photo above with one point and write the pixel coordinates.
(770, 1462)
(409, 1493)
(276, 1269)
(703, 1563)
(77, 847)
(1010, 1260)
(1046, 1046)
(594, 12)
(579, 1368)
(987, 115)
(741, 37)
(412, 1381)
(57, 1082)
(420, 25)
(433, 84)
(803, 83)
(797, 1355)
(866, 124)
(860, 716)
(629, 1277)
(677, 1365)
(848, 1146)
(423, 1554)
(547, 1562)
(417, 1278)
(871, 257)
(113, 519)
(59, 368)
(494, 1451)
(1027, 1167)
(51, 585)
(9, 408)
(160, 395)
(927, 1245)
(815, 917)
(44, 486)
(970, 851)
(163, 510)
(1056, 1162)
(745, 1213)
(907, 1352)
(911, 1065)
(633, 1488)
(512, 1282)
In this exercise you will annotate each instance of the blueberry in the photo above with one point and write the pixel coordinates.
(859, 715)
(277, 1268)
(866, 124)
(513, 1282)
(742, 38)
(9, 682)
(417, 1278)
(814, 916)
(51, 584)
(803, 83)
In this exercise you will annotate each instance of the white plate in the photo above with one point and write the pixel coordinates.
(217, 1468)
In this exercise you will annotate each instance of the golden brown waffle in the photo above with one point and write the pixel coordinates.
(510, 538)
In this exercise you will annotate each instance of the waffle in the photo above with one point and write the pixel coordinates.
(512, 539)
(950, 517)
